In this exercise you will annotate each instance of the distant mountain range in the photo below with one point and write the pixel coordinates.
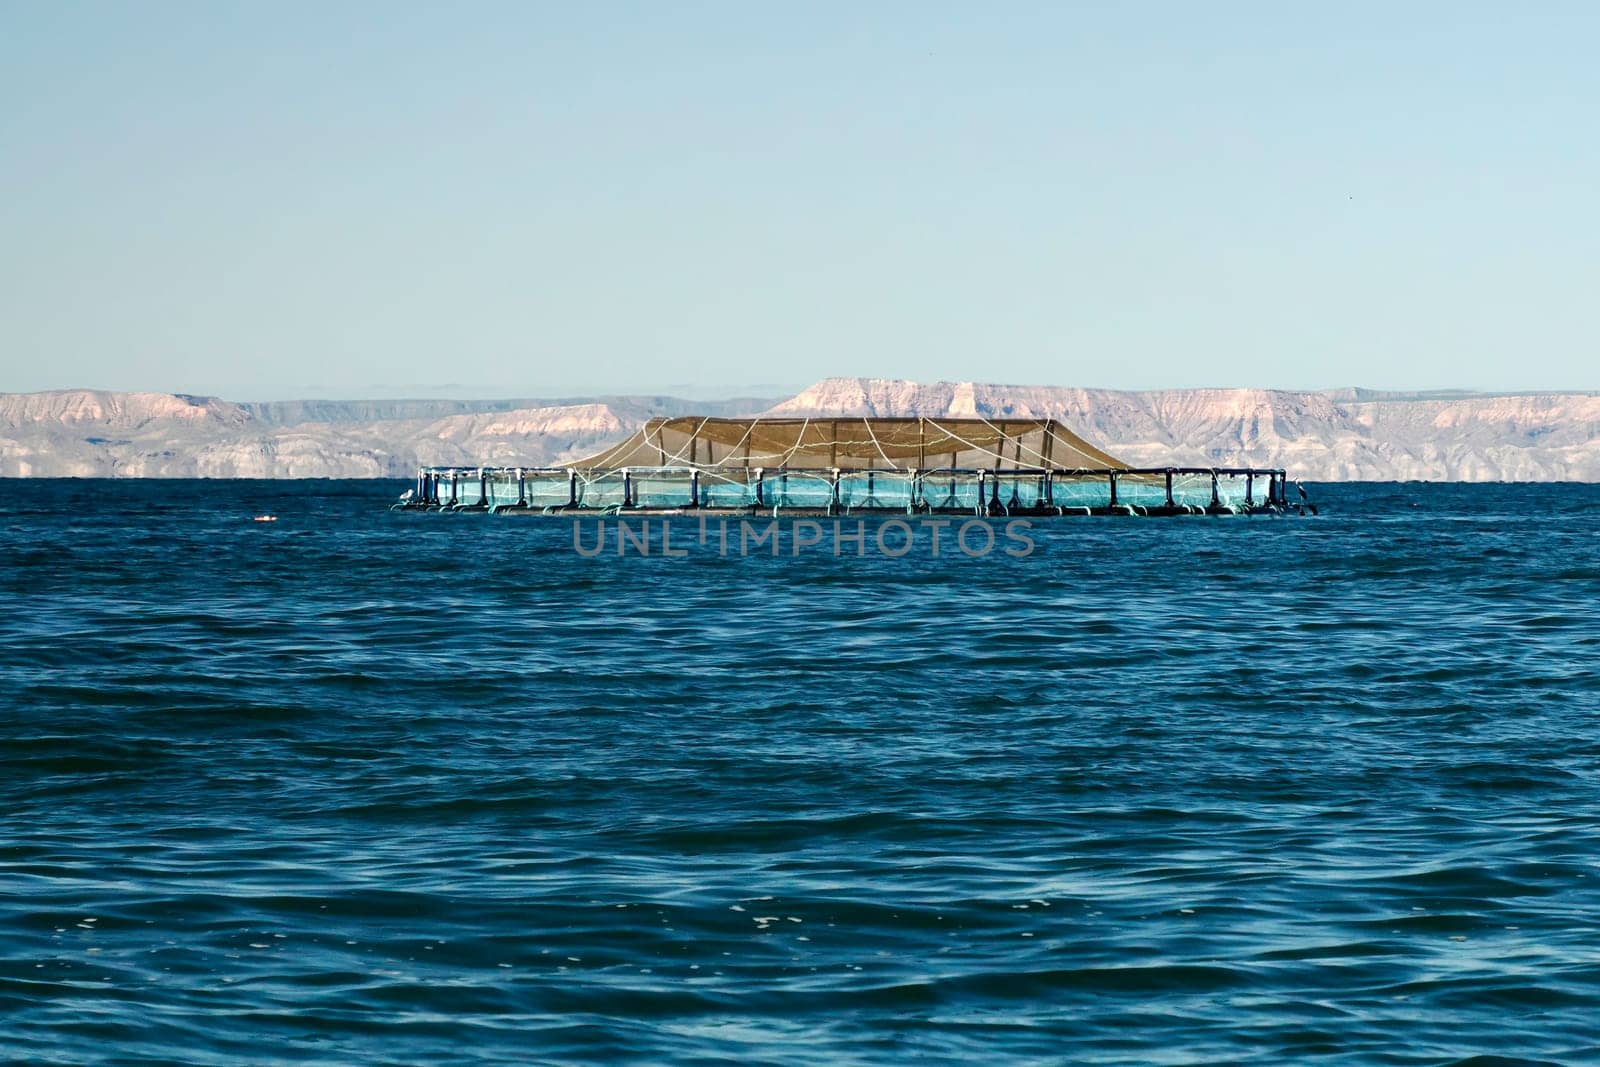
(1339, 435)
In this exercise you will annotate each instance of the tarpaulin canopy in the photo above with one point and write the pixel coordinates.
(860, 443)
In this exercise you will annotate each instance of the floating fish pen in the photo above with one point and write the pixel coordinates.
(838, 466)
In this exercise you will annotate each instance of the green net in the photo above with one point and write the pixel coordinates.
(1088, 491)
(950, 491)
(663, 489)
(1142, 493)
(502, 490)
(470, 491)
(798, 489)
(877, 489)
(734, 489)
(1017, 492)
(1191, 490)
(602, 489)
(548, 489)
(1231, 490)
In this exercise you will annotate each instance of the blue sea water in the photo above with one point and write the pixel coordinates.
(382, 788)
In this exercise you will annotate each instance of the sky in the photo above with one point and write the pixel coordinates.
(271, 200)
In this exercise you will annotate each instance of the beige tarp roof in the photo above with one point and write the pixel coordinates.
(853, 444)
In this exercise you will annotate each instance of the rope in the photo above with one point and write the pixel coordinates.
(1043, 462)
(678, 455)
(748, 430)
(874, 437)
(1075, 447)
(957, 437)
(798, 440)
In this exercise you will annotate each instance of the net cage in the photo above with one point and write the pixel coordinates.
(1151, 491)
(851, 444)
(843, 465)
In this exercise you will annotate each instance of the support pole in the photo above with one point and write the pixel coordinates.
(1169, 488)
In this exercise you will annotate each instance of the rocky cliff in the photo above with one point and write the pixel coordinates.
(87, 434)
(1348, 434)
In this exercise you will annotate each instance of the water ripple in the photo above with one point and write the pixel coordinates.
(382, 788)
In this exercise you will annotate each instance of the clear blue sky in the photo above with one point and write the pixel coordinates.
(272, 199)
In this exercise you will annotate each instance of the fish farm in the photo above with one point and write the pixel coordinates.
(839, 466)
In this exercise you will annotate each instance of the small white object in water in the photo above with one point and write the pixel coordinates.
(265, 518)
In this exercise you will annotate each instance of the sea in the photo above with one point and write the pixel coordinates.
(361, 786)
